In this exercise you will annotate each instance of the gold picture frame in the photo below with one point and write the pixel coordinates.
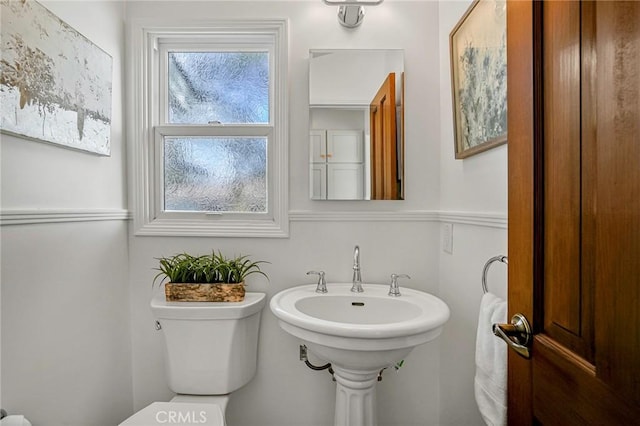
(479, 78)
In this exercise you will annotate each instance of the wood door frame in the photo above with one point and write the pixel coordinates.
(524, 179)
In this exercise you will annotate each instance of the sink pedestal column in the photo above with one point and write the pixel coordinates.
(355, 397)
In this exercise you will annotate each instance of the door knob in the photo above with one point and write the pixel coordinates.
(518, 334)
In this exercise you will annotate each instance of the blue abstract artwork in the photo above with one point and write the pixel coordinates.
(479, 78)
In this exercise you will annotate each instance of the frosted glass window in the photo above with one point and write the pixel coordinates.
(215, 174)
(225, 87)
(211, 127)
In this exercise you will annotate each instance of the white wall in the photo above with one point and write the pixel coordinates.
(477, 183)
(284, 391)
(475, 188)
(65, 301)
(354, 77)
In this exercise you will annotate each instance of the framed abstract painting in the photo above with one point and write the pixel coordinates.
(55, 84)
(479, 78)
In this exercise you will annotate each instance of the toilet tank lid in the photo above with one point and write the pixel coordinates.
(177, 413)
(252, 303)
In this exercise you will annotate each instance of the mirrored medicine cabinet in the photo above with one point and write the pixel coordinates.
(356, 124)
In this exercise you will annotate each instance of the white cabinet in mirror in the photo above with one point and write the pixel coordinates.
(337, 164)
(356, 142)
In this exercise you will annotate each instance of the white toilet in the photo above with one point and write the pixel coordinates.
(211, 351)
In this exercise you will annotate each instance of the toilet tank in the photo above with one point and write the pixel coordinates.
(211, 347)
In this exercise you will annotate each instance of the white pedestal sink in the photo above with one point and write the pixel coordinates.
(359, 334)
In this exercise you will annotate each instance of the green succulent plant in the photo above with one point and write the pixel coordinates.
(208, 269)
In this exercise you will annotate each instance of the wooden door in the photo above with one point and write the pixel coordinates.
(384, 163)
(574, 210)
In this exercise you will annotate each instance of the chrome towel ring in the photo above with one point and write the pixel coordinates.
(500, 258)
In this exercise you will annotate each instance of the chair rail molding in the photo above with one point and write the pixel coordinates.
(476, 218)
(37, 216)
(483, 219)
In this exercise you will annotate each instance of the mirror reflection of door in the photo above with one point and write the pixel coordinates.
(342, 85)
(384, 165)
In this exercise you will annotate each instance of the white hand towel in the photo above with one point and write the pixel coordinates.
(490, 382)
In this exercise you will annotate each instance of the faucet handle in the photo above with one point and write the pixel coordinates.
(394, 290)
(322, 284)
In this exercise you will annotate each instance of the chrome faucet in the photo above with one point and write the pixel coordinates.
(357, 278)
(394, 289)
(322, 283)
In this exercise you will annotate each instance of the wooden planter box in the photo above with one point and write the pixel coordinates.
(179, 292)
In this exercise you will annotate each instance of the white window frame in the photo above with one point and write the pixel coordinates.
(148, 126)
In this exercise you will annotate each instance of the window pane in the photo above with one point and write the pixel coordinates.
(215, 174)
(229, 87)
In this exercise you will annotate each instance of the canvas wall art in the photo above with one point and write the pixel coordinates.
(55, 84)
(479, 78)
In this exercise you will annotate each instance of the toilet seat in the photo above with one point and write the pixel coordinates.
(177, 414)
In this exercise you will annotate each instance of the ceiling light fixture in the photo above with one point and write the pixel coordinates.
(351, 12)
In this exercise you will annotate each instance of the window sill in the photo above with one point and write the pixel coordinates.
(212, 228)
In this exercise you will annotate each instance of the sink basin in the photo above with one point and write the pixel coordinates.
(368, 321)
(358, 310)
(359, 334)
